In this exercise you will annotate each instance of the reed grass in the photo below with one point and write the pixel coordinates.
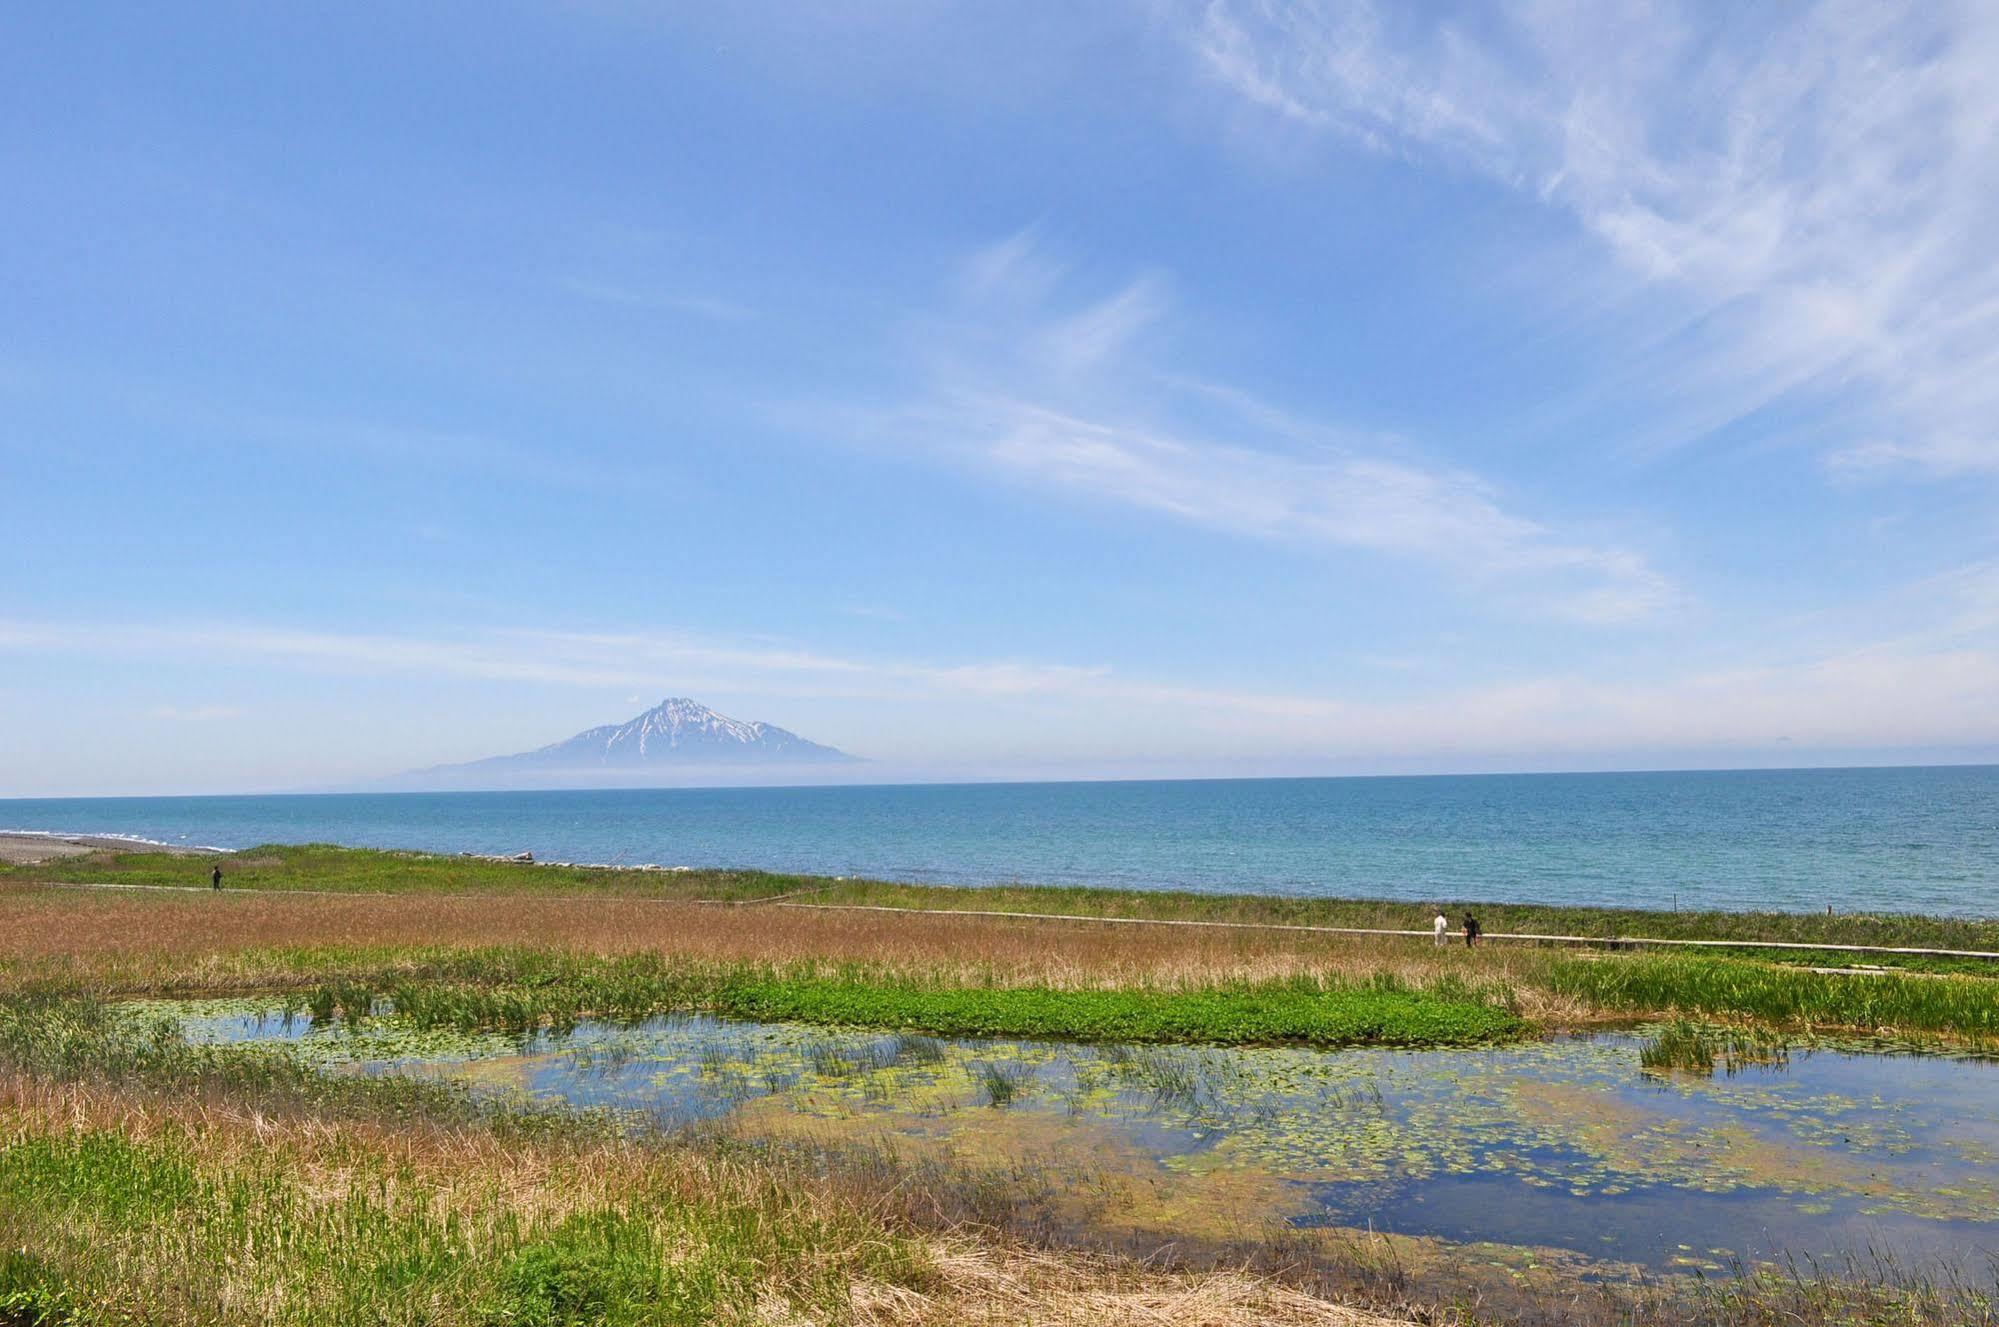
(1689, 1047)
(180, 943)
(1782, 996)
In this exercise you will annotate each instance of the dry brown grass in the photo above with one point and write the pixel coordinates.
(130, 938)
(983, 1285)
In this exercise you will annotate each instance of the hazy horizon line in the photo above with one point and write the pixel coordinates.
(1986, 759)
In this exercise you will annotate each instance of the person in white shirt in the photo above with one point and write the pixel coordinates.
(1442, 926)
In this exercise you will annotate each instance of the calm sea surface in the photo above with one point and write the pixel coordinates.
(1922, 839)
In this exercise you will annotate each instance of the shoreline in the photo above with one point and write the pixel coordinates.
(33, 847)
(134, 860)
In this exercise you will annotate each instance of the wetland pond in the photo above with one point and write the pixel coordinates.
(1563, 1147)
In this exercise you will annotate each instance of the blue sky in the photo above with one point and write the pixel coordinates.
(997, 390)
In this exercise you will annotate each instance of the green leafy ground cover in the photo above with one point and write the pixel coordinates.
(559, 992)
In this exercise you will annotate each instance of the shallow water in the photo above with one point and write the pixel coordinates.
(1556, 1145)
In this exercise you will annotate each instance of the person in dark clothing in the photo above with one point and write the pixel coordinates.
(215, 878)
(1471, 930)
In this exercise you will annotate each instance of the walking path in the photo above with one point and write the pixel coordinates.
(1527, 936)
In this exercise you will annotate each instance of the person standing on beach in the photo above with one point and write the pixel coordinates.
(215, 878)
(1471, 930)
(1442, 926)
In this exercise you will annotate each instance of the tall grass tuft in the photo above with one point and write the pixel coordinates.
(1001, 1083)
(1966, 1006)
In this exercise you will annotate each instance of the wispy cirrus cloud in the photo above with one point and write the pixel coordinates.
(1365, 502)
(561, 658)
(1812, 191)
(1068, 396)
(1942, 689)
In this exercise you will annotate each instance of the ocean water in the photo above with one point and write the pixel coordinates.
(1912, 839)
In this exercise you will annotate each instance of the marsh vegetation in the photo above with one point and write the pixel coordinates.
(307, 1192)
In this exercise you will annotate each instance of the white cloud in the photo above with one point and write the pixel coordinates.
(1082, 340)
(1354, 501)
(1943, 691)
(1942, 454)
(1064, 398)
(1014, 270)
(560, 658)
(1814, 189)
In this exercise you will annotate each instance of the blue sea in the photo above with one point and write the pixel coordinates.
(1914, 839)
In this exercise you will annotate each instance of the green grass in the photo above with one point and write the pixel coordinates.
(525, 990)
(1733, 988)
(315, 1226)
(111, 1230)
(329, 868)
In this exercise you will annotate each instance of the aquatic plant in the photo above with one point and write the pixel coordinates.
(1699, 1048)
(830, 1061)
(1001, 1082)
(1683, 1046)
(917, 1049)
(525, 998)
(341, 1000)
(1170, 1079)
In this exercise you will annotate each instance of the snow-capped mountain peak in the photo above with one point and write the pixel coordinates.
(675, 741)
(676, 734)
(677, 724)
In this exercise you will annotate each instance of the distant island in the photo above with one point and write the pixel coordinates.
(675, 740)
